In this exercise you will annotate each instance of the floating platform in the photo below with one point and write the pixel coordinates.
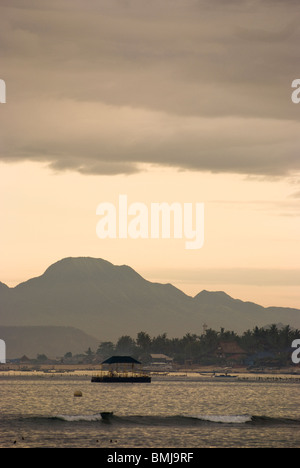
(120, 379)
(122, 370)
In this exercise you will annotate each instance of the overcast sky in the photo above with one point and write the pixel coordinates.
(164, 100)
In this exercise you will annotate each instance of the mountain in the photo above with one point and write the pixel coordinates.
(51, 341)
(107, 301)
(220, 308)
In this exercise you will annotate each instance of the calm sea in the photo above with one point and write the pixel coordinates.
(41, 411)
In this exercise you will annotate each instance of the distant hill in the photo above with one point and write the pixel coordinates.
(51, 341)
(107, 301)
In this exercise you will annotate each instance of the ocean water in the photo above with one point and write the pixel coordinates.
(41, 412)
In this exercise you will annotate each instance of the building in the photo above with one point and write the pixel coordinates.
(230, 351)
(161, 361)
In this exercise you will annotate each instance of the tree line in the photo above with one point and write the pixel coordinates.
(272, 340)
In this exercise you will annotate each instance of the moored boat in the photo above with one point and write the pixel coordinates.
(122, 369)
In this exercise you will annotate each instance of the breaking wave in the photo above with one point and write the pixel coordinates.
(76, 418)
(178, 420)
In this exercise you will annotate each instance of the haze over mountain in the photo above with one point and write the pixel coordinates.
(52, 341)
(107, 301)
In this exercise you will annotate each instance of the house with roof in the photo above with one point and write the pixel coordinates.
(230, 351)
(161, 361)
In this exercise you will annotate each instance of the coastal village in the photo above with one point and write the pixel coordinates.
(265, 349)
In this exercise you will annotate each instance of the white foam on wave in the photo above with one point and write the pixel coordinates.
(226, 419)
(80, 417)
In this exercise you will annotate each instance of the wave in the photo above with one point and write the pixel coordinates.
(177, 420)
(226, 419)
(76, 418)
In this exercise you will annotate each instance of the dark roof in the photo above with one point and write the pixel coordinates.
(230, 347)
(121, 360)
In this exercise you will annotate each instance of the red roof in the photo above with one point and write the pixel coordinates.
(230, 347)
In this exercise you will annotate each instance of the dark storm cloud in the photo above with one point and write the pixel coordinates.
(104, 86)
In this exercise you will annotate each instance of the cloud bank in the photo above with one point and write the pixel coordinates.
(104, 87)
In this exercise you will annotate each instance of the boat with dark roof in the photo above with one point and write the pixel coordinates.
(121, 369)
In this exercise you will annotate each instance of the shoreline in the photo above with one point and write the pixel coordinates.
(201, 374)
(69, 368)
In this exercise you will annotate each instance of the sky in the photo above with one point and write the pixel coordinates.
(185, 101)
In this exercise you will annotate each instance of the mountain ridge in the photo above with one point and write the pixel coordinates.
(108, 301)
